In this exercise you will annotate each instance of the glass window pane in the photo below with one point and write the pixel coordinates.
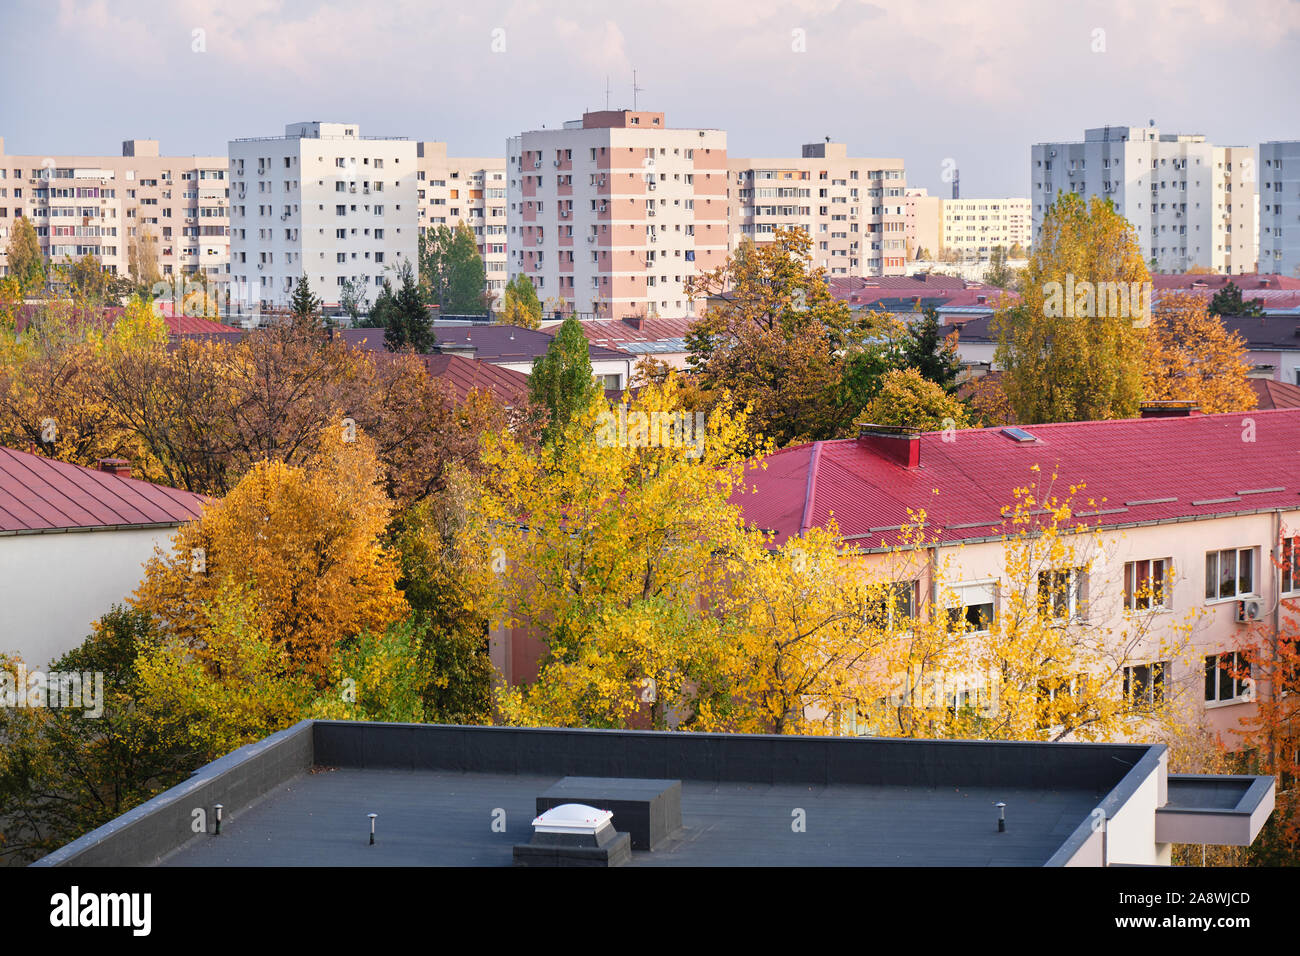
(1212, 574)
(1157, 584)
(1225, 678)
(1246, 575)
(1227, 573)
(1210, 678)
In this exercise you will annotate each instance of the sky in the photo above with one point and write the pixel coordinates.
(943, 84)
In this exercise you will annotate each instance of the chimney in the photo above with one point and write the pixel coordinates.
(114, 466)
(634, 321)
(899, 444)
(1169, 409)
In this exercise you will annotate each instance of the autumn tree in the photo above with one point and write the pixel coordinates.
(353, 298)
(775, 339)
(562, 383)
(1190, 356)
(1072, 348)
(521, 306)
(906, 398)
(987, 402)
(603, 545)
(26, 263)
(307, 543)
(142, 259)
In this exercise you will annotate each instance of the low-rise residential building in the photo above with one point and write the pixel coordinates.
(99, 205)
(853, 207)
(321, 201)
(73, 542)
(1191, 202)
(1219, 528)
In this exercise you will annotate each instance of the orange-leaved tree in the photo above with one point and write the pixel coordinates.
(306, 540)
(1190, 356)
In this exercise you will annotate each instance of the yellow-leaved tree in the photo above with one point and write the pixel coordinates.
(603, 544)
(1072, 347)
(1191, 357)
(908, 399)
(307, 542)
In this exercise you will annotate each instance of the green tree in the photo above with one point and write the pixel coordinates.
(452, 274)
(406, 321)
(26, 264)
(521, 305)
(933, 354)
(999, 273)
(562, 383)
(353, 298)
(1073, 347)
(1228, 301)
(304, 306)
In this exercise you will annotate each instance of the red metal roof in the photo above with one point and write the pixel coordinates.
(1246, 282)
(1270, 393)
(464, 375)
(1201, 463)
(39, 494)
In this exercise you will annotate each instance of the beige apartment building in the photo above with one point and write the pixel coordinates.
(975, 227)
(853, 207)
(453, 189)
(612, 214)
(96, 205)
(923, 223)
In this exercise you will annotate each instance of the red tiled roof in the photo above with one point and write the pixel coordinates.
(38, 494)
(464, 375)
(1270, 393)
(1247, 282)
(1198, 462)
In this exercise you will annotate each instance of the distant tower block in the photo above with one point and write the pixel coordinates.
(956, 184)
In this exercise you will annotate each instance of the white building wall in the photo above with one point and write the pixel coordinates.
(321, 201)
(1192, 203)
(1279, 208)
(55, 585)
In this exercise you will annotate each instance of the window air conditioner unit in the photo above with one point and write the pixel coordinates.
(1248, 611)
(539, 240)
(537, 164)
(649, 212)
(564, 213)
(591, 238)
(557, 164)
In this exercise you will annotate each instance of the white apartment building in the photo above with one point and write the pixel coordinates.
(975, 227)
(96, 205)
(1191, 202)
(1279, 208)
(321, 201)
(611, 214)
(454, 189)
(854, 208)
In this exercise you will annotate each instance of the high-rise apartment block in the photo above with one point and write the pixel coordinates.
(1279, 208)
(611, 214)
(324, 202)
(1192, 203)
(472, 190)
(975, 227)
(100, 205)
(852, 207)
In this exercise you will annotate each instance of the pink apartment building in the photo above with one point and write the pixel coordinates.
(610, 215)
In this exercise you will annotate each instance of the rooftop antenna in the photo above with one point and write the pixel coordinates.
(635, 90)
(607, 92)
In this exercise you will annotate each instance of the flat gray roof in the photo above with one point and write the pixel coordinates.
(439, 818)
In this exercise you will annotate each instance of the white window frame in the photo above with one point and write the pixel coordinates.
(964, 591)
(1076, 583)
(1130, 596)
(1244, 687)
(1252, 554)
(1153, 687)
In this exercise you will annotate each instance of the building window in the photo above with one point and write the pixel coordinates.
(1227, 678)
(1144, 684)
(1060, 594)
(893, 605)
(1291, 565)
(1144, 584)
(973, 607)
(1229, 573)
